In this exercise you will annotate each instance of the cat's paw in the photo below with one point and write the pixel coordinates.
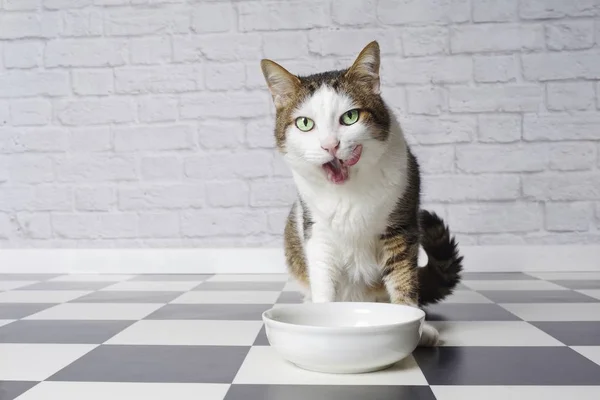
(430, 336)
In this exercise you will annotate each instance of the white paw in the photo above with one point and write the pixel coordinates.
(429, 337)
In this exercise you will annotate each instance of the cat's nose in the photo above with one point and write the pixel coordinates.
(330, 145)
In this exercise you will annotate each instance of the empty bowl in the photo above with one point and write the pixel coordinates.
(344, 337)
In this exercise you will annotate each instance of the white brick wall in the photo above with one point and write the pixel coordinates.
(147, 122)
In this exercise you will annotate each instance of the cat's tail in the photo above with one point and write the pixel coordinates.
(438, 279)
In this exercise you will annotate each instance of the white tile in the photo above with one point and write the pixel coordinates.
(36, 362)
(512, 285)
(566, 276)
(125, 391)
(97, 311)
(492, 333)
(293, 286)
(11, 285)
(555, 311)
(516, 392)
(154, 286)
(41, 296)
(590, 352)
(92, 278)
(249, 278)
(227, 297)
(467, 297)
(595, 293)
(264, 366)
(6, 321)
(195, 333)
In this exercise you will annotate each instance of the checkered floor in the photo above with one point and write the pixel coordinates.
(117, 337)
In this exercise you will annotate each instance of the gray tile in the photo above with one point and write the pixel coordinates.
(67, 285)
(261, 338)
(10, 390)
(27, 277)
(172, 277)
(506, 366)
(241, 286)
(75, 332)
(573, 333)
(239, 312)
(468, 312)
(537, 296)
(21, 310)
(579, 284)
(496, 276)
(118, 296)
(324, 392)
(177, 364)
(290, 298)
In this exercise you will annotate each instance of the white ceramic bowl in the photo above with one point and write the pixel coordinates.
(344, 337)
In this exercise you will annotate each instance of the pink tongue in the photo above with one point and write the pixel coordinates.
(336, 172)
(356, 152)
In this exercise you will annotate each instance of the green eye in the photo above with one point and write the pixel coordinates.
(350, 117)
(304, 124)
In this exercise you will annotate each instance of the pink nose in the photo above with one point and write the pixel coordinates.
(331, 146)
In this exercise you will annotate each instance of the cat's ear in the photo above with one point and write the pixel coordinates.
(365, 69)
(282, 84)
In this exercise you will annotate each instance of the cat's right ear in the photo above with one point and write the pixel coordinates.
(282, 84)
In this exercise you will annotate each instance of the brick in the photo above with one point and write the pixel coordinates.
(5, 226)
(4, 113)
(434, 159)
(34, 83)
(277, 45)
(96, 168)
(36, 198)
(578, 238)
(150, 50)
(395, 98)
(564, 65)
(426, 70)
(85, 53)
(443, 129)
(276, 220)
(495, 218)
(350, 42)
(489, 69)
(95, 225)
(570, 35)
(354, 12)
(221, 47)
(234, 193)
(209, 223)
(502, 158)
(29, 25)
(564, 186)
(167, 196)
(161, 168)
(428, 100)
(494, 10)
(457, 188)
(23, 54)
(571, 156)
(260, 133)
(157, 109)
(425, 41)
(213, 17)
(561, 127)
(402, 12)
(154, 138)
(225, 76)
(33, 225)
(27, 168)
(123, 22)
(158, 224)
(272, 193)
(95, 111)
(82, 23)
(220, 105)
(280, 168)
(220, 134)
(496, 37)
(247, 164)
(507, 98)
(271, 16)
(3, 169)
(94, 198)
(159, 79)
(568, 216)
(92, 81)
(562, 96)
(39, 139)
(21, 5)
(535, 9)
(30, 112)
(64, 4)
(300, 67)
(499, 128)
(90, 139)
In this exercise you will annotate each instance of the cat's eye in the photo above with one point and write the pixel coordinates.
(305, 124)
(350, 117)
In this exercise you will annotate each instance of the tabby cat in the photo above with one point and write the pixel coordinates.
(355, 231)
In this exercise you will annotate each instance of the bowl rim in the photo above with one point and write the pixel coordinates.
(342, 329)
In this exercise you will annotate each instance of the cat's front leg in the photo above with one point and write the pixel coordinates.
(322, 267)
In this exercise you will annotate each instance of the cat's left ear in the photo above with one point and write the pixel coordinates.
(365, 69)
(282, 84)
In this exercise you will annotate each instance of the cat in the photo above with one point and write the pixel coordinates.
(355, 231)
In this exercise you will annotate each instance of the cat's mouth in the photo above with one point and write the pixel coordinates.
(338, 170)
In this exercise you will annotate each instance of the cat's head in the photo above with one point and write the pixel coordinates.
(333, 123)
